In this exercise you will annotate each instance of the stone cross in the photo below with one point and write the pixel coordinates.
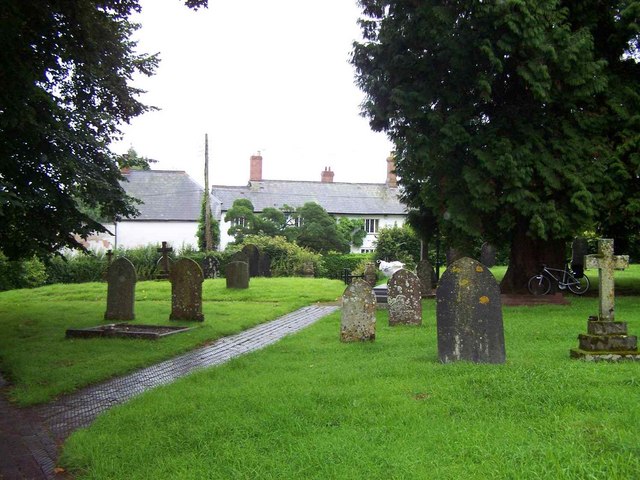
(606, 262)
(165, 251)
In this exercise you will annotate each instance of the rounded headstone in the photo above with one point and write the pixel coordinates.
(469, 314)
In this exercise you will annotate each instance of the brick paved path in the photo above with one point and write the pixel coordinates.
(29, 438)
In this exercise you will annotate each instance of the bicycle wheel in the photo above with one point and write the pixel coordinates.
(539, 285)
(579, 286)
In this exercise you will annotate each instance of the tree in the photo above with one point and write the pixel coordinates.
(132, 161)
(398, 243)
(319, 231)
(65, 73)
(242, 216)
(352, 230)
(501, 115)
(215, 227)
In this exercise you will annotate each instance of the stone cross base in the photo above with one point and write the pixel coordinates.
(606, 341)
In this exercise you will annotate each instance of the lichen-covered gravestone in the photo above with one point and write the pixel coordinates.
(121, 288)
(237, 274)
(210, 267)
(186, 290)
(469, 314)
(358, 322)
(425, 273)
(404, 299)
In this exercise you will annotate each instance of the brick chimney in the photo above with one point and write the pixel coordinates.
(392, 180)
(255, 168)
(326, 176)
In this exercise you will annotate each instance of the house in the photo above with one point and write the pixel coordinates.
(170, 210)
(376, 203)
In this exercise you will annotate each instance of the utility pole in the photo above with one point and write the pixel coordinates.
(208, 239)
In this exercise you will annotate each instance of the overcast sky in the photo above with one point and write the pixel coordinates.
(268, 76)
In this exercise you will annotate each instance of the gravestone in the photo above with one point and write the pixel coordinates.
(488, 255)
(210, 267)
(606, 338)
(253, 259)
(371, 274)
(121, 289)
(404, 299)
(469, 314)
(164, 264)
(358, 321)
(186, 290)
(579, 250)
(453, 254)
(308, 270)
(237, 275)
(264, 265)
(425, 273)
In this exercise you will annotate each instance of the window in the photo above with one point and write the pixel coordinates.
(239, 222)
(294, 221)
(371, 225)
(367, 250)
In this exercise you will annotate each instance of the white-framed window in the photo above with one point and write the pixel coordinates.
(367, 250)
(239, 222)
(371, 225)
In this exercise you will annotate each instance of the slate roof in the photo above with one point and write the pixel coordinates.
(336, 198)
(167, 195)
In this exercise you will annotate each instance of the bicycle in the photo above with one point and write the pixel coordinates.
(541, 284)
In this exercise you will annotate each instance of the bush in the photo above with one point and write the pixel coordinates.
(334, 264)
(287, 259)
(21, 273)
(398, 243)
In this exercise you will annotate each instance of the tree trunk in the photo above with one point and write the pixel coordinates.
(526, 259)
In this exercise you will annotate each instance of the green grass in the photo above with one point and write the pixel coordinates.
(310, 407)
(41, 363)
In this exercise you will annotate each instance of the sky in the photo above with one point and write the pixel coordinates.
(270, 77)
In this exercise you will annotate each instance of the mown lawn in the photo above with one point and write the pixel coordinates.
(310, 407)
(41, 364)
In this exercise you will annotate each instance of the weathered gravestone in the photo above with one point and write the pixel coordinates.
(404, 299)
(264, 265)
(253, 259)
(469, 314)
(164, 263)
(606, 338)
(425, 273)
(453, 254)
(186, 290)
(579, 250)
(210, 267)
(121, 288)
(237, 274)
(488, 255)
(308, 270)
(358, 321)
(371, 274)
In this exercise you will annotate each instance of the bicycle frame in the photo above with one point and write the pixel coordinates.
(566, 275)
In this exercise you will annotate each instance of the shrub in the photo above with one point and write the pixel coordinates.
(287, 259)
(398, 243)
(334, 264)
(21, 273)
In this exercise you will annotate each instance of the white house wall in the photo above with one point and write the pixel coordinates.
(139, 234)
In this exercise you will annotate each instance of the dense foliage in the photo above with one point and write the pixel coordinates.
(513, 121)
(287, 258)
(398, 243)
(65, 74)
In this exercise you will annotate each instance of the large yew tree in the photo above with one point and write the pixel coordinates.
(507, 116)
(65, 88)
